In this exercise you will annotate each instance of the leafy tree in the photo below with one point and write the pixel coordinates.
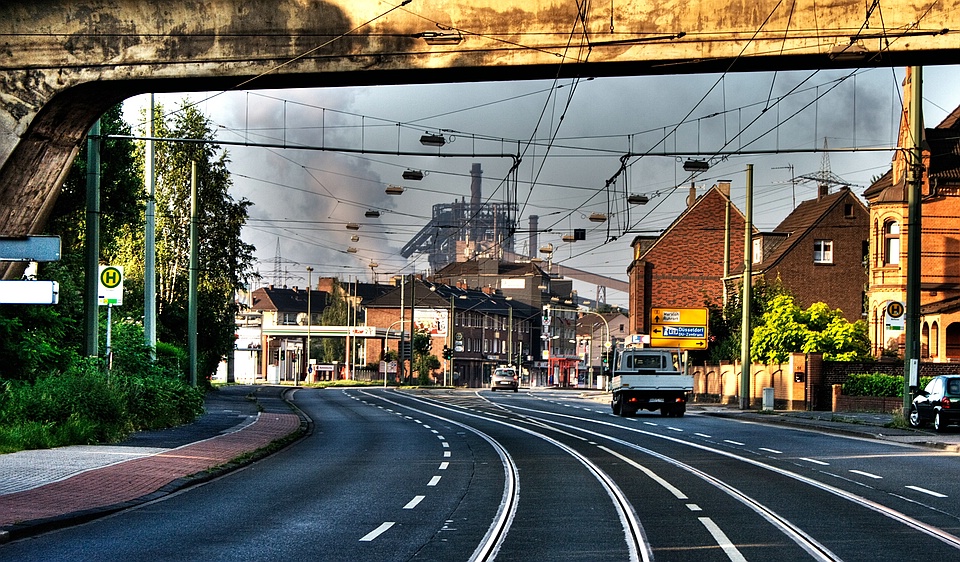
(225, 261)
(786, 329)
(726, 322)
(334, 314)
(423, 361)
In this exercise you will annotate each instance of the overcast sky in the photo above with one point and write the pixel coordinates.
(571, 135)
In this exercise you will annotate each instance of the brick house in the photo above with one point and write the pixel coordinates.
(818, 252)
(940, 253)
(488, 328)
(685, 265)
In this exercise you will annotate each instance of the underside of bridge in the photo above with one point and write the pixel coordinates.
(64, 62)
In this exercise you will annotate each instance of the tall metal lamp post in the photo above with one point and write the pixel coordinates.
(606, 342)
(309, 317)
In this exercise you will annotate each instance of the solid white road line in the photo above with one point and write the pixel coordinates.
(653, 476)
(377, 532)
(722, 540)
(413, 503)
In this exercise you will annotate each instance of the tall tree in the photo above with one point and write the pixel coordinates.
(225, 261)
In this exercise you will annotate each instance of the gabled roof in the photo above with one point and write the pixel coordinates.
(712, 192)
(803, 219)
(942, 145)
(287, 300)
(435, 295)
(503, 269)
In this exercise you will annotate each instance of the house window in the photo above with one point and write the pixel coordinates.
(823, 251)
(891, 243)
(848, 210)
(757, 250)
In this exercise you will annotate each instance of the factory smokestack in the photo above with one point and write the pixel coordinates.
(534, 227)
(476, 194)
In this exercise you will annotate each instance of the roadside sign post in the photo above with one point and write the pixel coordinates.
(683, 328)
(110, 293)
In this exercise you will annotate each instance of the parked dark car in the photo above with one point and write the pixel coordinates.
(939, 403)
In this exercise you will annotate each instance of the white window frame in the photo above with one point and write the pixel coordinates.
(823, 251)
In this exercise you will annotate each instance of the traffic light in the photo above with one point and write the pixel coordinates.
(447, 352)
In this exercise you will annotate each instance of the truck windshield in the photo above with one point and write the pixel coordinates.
(637, 361)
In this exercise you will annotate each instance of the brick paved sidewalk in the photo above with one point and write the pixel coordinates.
(116, 485)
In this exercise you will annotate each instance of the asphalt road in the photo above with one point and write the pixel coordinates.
(460, 475)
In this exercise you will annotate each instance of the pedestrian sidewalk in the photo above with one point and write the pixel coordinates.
(44, 489)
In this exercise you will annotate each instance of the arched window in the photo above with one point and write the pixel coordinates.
(935, 340)
(891, 243)
(925, 341)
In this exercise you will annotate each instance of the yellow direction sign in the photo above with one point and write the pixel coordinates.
(110, 285)
(685, 328)
(687, 316)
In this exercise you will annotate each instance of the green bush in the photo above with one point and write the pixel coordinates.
(876, 384)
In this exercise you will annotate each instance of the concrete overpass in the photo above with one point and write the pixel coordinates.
(63, 62)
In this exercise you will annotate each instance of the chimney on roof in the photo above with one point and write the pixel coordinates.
(822, 190)
(724, 187)
(692, 198)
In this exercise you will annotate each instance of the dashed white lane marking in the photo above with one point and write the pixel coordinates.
(774, 451)
(693, 507)
(441, 437)
(926, 491)
(867, 474)
(377, 532)
(650, 423)
(446, 454)
(704, 435)
(722, 540)
(434, 481)
(434, 431)
(444, 465)
(675, 429)
(445, 444)
(815, 461)
(733, 442)
(413, 503)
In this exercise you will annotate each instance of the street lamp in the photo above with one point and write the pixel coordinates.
(606, 343)
(309, 319)
(386, 339)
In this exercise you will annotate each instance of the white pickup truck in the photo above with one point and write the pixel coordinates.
(649, 379)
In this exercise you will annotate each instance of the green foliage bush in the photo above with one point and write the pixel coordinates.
(876, 384)
(86, 405)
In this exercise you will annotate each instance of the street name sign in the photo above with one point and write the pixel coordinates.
(29, 248)
(29, 292)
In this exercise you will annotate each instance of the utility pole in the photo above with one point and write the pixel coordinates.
(911, 355)
(91, 301)
(747, 294)
(150, 242)
(192, 278)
